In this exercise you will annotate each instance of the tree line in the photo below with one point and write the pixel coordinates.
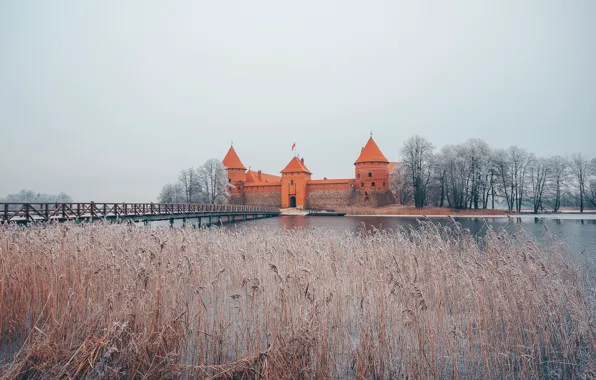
(30, 196)
(206, 184)
(472, 175)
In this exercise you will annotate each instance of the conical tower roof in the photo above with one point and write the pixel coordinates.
(232, 161)
(296, 166)
(371, 153)
(249, 177)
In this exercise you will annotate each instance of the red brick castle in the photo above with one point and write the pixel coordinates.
(295, 188)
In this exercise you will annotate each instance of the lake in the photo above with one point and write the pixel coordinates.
(578, 232)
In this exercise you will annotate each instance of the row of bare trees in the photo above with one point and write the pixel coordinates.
(205, 184)
(474, 175)
(32, 197)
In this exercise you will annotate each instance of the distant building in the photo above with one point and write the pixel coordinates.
(295, 188)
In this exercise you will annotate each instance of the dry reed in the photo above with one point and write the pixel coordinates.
(115, 301)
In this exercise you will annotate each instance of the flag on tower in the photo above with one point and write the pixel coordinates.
(293, 146)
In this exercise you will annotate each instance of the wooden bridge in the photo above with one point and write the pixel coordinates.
(201, 214)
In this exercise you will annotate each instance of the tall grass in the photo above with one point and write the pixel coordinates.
(121, 301)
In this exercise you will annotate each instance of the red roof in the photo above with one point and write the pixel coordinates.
(371, 153)
(296, 166)
(264, 176)
(330, 181)
(249, 177)
(232, 161)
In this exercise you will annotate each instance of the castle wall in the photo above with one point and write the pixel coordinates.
(383, 198)
(272, 197)
(330, 184)
(261, 198)
(236, 199)
(333, 199)
(327, 199)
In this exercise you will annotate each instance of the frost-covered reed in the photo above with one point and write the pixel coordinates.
(120, 301)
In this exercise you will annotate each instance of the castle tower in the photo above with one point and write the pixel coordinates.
(372, 168)
(235, 168)
(294, 178)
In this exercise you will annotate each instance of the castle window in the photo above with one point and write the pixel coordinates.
(229, 180)
(292, 182)
(358, 175)
(383, 183)
(369, 174)
(361, 184)
(372, 184)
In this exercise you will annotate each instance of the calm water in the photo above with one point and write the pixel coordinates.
(578, 232)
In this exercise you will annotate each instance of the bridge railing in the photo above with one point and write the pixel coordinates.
(47, 211)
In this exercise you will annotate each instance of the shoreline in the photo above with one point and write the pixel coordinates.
(564, 216)
(438, 212)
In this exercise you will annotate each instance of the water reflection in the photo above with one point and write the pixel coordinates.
(290, 222)
(578, 234)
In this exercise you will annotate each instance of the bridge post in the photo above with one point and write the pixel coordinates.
(209, 220)
(183, 222)
(218, 220)
(199, 222)
(171, 222)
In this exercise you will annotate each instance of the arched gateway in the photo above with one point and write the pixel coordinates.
(292, 201)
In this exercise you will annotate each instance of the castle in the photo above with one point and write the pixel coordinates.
(296, 188)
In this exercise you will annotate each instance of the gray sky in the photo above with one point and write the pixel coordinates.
(108, 101)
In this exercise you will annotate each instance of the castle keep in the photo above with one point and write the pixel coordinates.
(296, 188)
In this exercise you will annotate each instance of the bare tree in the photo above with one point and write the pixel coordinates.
(559, 178)
(580, 170)
(464, 175)
(471, 174)
(191, 186)
(539, 172)
(457, 179)
(440, 175)
(399, 185)
(214, 178)
(502, 167)
(172, 193)
(477, 153)
(417, 154)
(519, 161)
(489, 187)
(591, 186)
(32, 196)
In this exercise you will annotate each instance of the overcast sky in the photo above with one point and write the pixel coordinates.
(108, 101)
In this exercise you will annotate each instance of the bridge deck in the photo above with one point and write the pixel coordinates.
(61, 212)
